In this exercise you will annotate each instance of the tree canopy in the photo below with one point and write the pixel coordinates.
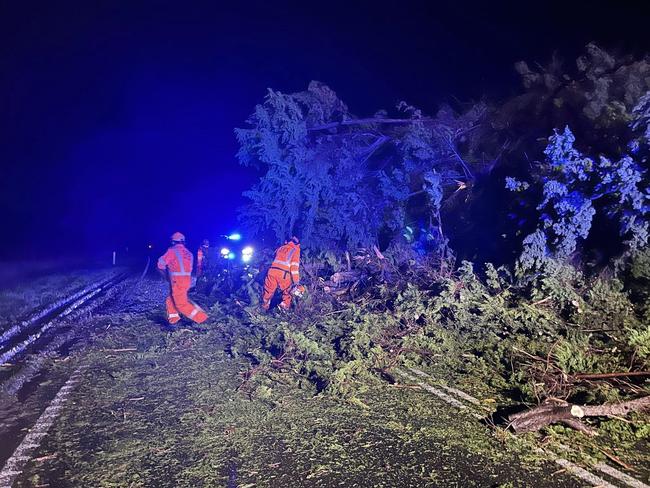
(573, 146)
(339, 180)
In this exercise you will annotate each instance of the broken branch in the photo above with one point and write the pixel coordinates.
(599, 376)
(551, 413)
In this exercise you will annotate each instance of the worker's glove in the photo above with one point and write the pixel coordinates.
(298, 290)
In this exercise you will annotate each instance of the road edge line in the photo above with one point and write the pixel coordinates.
(16, 463)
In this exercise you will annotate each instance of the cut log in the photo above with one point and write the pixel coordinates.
(617, 409)
(551, 413)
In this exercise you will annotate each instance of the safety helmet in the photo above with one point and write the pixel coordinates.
(178, 237)
(295, 240)
(205, 243)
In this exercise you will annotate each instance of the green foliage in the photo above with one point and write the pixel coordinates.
(573, 356)
(638, 282)
(640, 266)
(487, 324)
(608, 306)
(639, 341)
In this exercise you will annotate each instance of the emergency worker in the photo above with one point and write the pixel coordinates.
(283, 273)
(176, 266)
(202, 258)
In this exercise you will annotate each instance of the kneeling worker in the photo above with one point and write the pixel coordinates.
(284, 273)
(176, 266)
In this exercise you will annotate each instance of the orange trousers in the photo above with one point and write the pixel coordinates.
(178, 302)
(275, 279)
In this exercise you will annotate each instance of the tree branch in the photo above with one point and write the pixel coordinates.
(374, 146)
(550, 413)
(600, 376)
(371, 120)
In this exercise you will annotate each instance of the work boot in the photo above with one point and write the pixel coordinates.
(167, 327)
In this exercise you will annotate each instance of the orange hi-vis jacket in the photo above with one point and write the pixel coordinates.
(178, 263)
(177, 260)
(287, 259)
(284, 271)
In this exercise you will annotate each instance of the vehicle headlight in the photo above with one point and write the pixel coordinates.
(247, 254)
(224, 252)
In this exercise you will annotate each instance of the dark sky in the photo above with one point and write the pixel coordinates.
(116, 118)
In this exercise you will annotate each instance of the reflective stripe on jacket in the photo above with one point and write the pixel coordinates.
(177, 260)
(287, 259)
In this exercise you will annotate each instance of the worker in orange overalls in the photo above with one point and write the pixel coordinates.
(176, 266)
(284, 272)
(202, 258)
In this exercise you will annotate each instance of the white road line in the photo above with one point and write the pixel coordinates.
(625, 478)
(440, 394)
(459, 393)
(583, 474)
(568, 465)
(613, 472)
(21, 456)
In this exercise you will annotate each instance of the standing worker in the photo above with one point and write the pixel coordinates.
(284, 273)
(202, 258)
(176, 266)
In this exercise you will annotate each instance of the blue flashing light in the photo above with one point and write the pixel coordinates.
(234, 237)
(231, 255)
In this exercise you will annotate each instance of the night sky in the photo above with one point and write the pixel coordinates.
(116, 118)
